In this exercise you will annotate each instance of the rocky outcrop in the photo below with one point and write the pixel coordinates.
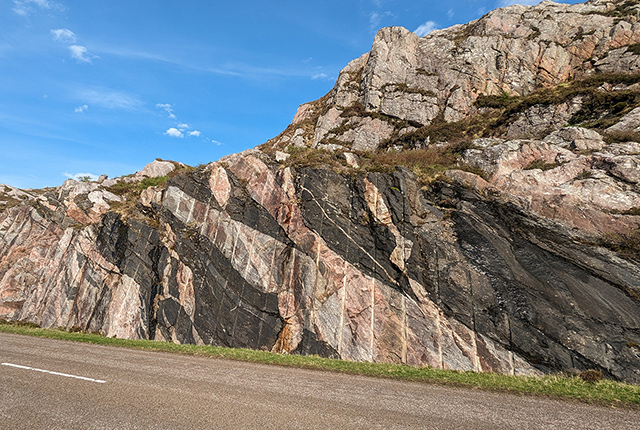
(589, 191)
(407, 80)
(508, 262)
(248, 253)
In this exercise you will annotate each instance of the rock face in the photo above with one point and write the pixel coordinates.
(405, 79)
(502, 273)
(247, 253)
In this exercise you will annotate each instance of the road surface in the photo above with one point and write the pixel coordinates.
(130, 389)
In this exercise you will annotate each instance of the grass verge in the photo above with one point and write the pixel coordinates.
(604, 392)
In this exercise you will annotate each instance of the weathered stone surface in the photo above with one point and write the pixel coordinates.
(514, 50)
(367, 134)
(577, 138)
(499, 273)
(630, 122)
(538, 121)
(157, 168)
(582, 191)
(351, 159)
(309, 261)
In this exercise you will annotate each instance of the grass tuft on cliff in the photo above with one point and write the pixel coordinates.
(603, 392)
(600, 108)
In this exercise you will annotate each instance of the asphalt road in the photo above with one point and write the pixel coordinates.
(129, 389)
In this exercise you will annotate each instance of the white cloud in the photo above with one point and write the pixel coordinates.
(319, 76)
(25, 7)
(81, 176)
(81, 109)
(108, 98)
(216, 142)
(168, 108)
(503, 3)
(450, 14)
(375, 18)
(80, 54)
(426, 28)
(64, 35)
(182, 128)
(173, 132)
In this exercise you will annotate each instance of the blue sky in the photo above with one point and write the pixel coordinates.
(106, 86)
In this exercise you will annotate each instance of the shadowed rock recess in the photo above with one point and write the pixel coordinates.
(516, 251)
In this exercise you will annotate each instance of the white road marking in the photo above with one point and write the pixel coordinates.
(99, 381)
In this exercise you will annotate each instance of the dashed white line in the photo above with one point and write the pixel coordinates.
(66, 375)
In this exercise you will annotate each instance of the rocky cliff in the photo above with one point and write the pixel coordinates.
(435, 208)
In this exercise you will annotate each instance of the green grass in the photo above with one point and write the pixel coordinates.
(604, 392)
(600, 109)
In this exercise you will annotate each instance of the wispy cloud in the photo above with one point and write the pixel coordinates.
(25, 7)
(375, 18)
(81, 109)
(426, 28)
(216, 142)
(81, 54)
(174, 132)
(232, 68)
(320, 76)
(81, 176)
(503, 3)
(450, 13)
(168, 108)
(195, 133)
(78, 52)
(108, 98)
(64, 35)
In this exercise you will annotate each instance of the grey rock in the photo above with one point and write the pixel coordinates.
(577, 138)
(367, 134)
(629, 123)
(351, 159)
(538, 121)
(624, 167)
(156, 169)
(281, 156)
(627, 148)
(515, 50)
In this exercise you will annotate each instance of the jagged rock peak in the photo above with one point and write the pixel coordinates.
(406, 82)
